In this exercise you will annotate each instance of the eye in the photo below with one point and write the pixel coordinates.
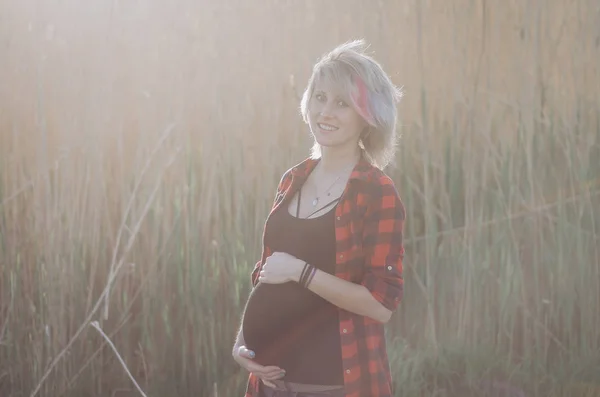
(320, 97)
(342, 104)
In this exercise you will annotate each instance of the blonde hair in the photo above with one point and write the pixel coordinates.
(353, 71)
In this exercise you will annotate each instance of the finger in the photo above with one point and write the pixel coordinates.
(273, 372)
(245, 352)
(266, 382)
(268, 374)
(260, 370)
(264, 279)
(243, 355)
(274, 376)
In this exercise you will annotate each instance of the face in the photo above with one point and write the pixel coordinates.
(332, 119)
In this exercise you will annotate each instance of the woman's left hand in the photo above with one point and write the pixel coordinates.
(280, 268)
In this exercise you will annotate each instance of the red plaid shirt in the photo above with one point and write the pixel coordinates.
(369, 249)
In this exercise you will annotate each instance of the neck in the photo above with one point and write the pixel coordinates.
(333, 161)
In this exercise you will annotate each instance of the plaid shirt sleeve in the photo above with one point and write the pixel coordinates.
(383, 244)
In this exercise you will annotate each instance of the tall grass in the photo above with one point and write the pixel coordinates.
(141, 143)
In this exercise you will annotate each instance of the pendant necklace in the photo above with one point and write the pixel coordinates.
(316, 200)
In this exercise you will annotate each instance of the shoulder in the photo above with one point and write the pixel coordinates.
(285, 178)
(375, 181)
(380, 190)
(302, 168)
(379, 180)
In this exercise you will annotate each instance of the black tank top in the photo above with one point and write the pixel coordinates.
(290, 326)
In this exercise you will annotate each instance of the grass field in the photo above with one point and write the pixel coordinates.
(141, 144)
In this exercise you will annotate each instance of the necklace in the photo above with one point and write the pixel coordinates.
(316, 199)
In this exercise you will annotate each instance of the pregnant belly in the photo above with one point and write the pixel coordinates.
(275, 318)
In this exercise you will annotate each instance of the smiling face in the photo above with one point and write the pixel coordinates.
(333, 121)
(349, 93)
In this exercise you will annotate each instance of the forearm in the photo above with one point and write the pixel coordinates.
(239, 340)
(352, 297)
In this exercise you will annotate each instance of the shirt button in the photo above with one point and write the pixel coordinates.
(341, 256)
(347, 371)
(345, 330)
(389, 268)
(338, 218)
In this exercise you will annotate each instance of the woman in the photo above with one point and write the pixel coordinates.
(330, 275)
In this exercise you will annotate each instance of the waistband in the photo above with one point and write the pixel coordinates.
(303, 387)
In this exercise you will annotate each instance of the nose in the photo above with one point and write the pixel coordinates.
(326, 110)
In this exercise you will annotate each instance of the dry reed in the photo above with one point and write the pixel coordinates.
(499, 168)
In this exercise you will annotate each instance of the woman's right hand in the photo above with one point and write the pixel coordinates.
(244, 356)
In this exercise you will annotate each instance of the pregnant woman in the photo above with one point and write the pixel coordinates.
(330, 275)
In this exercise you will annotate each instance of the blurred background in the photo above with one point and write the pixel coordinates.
(141, 143)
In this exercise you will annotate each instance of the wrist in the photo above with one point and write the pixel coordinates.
(310, 274)
(300, 270)
(306, 274)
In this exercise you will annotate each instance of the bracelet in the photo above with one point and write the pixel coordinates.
(310, 277)
(304, 273)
